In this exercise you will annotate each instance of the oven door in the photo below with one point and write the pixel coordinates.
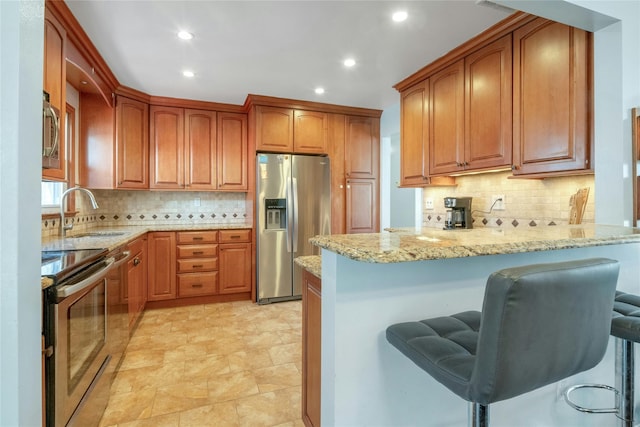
(80, 349)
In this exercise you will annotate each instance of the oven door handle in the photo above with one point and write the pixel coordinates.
(65, 291)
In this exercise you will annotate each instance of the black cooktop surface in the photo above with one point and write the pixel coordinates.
(63, 263)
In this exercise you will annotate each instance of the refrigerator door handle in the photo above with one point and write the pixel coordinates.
(295, 214)
(290, 213)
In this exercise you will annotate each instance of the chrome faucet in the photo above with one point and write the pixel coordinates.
(64, 227)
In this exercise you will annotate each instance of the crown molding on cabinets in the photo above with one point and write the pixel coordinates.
(271, 101)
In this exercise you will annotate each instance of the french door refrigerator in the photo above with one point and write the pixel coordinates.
(293, 204)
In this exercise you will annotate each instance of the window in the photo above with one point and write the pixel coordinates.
(51, 192)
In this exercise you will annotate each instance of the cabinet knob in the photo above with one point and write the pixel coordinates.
(136, 261)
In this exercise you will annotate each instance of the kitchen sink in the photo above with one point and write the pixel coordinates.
(98, 234)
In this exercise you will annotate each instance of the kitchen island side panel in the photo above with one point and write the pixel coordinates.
(365, 381)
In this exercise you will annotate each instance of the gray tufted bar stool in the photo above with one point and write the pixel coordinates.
(554, 319)
(625, 327)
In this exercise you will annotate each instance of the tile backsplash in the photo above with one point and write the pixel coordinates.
(528, 202)
(121, 208)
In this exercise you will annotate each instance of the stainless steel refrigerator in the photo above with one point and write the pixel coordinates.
(293, 204)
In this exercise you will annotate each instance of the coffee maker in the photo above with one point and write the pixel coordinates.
(458, 213)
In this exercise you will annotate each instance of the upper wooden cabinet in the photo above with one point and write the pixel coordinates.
(290, 131)
(132, 144)
(551, 98)
(233, 153)
(166, 147)
(362, 147)
(54, 83)
(414, 133)
(446, 119)
(516, 96)
(488, 112)
(200, 149)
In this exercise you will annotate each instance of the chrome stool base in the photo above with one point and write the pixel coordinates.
(577, 407)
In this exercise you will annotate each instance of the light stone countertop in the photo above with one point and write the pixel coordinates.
(411, 244)
(311, 263)
(125, 234)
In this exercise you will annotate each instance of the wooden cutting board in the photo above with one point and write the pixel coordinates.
(577, 204)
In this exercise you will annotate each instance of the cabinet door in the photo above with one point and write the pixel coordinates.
(362, 147)
(162, 266)
(362, 206)
(132, 144)
(414, 135)
(310, 132)
(136, 280)
(338, 189)
(274, 129)
(551, 99)
(235, 268)
(166, 148)
(488, 121)
(311, 348)
(54, 83)
(446, 127)
(233, 152)
(200, 149)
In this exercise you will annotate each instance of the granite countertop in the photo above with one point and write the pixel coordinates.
(411, 244)
(113, 237)
(311, 263)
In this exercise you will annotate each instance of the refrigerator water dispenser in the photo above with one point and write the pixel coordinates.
(276, 211)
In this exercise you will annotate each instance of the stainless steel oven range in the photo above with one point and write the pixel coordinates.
(75, 327)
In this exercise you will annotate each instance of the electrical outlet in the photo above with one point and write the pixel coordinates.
(498, 202)
(196, 201)
(429, 203)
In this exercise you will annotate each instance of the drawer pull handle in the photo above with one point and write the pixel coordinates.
(198, 238)
(198, 252)
(197, 266)
(196, 285)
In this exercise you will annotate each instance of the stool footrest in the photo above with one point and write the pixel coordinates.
(614, 410)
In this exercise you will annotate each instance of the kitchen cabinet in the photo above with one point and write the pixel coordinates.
(235, 261)
(200, 149)
(414, 134)
(162, 266)
(552, 94)
(136, 280)
(166, 147)
(132, 144)
(197, 263)
(233, 152)
(54, 83)
(446, 119)
(311, 348)
(488, 113)
(290, 130)
(355, 164)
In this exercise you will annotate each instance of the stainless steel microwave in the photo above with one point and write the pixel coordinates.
(50, 134)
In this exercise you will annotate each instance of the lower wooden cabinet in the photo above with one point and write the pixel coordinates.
(202, 266)
(137, 280)
(311, 346)
(162, 266)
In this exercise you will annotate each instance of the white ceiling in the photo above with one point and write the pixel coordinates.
(277, 48)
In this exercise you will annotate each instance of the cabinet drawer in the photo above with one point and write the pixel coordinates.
(187, 237)
(197, 264)
(235, 236)
(194, 284)
(197, 251)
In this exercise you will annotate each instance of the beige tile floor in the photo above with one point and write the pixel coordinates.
(227, 364)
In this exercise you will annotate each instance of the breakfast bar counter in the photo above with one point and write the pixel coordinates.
(370, 281)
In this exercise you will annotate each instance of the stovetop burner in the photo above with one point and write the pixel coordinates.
(59, 264)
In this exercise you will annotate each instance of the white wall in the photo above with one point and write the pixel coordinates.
(21, 47)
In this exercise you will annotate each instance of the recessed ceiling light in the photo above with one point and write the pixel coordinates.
(188, 73)
(400, 16)
(319, 90)
(185, 35)
(349, 62)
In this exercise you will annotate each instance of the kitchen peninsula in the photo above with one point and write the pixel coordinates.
(371, 281)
